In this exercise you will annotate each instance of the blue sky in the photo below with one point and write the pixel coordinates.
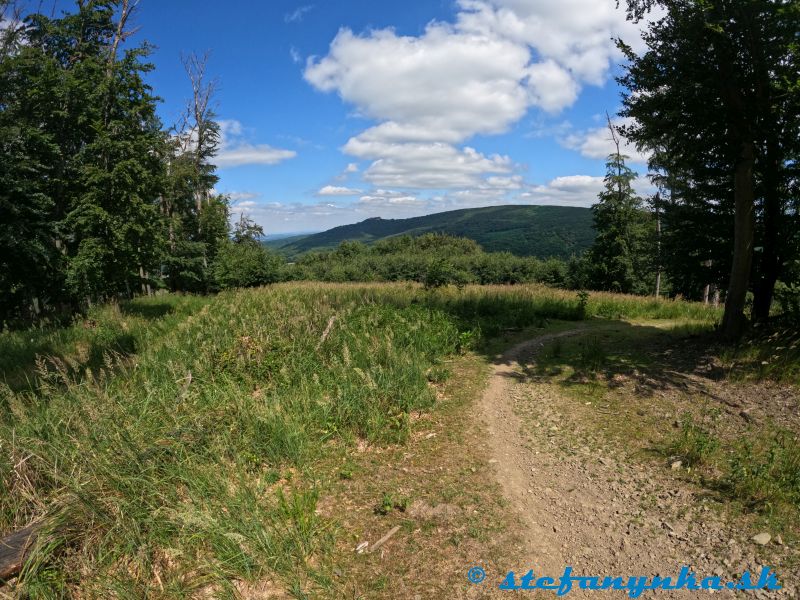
(334, 112)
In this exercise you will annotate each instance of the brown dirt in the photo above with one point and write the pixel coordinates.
(593, 508)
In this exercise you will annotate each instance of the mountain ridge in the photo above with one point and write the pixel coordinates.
(524, 230)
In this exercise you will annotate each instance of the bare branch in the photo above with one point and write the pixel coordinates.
(614, 133)
(126, 10)
(10, 25)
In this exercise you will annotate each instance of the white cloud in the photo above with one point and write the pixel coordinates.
(424, 165)
(442, 83)
(388, 199)
(297, 15)
(575, 190)
(569, 190)
(248, 154)
(335, 190)
(240, 196)
(294, 53)
(597, 143)
(432, 92)
(235, 151)
(552, 87)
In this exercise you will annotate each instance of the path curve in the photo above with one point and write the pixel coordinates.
(589, 509)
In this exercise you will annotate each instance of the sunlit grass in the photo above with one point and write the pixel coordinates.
(170, 443)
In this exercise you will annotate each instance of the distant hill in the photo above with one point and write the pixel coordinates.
(540, 231)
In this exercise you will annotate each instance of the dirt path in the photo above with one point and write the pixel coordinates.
(592, 509)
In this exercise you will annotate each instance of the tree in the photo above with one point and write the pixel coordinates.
(247, 231)
(112, 226)
(619, 255)
(195, 218)
(243, 261)
(81, 159)
(716, 95)
(28, 258)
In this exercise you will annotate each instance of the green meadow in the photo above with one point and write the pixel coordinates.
(175, 445)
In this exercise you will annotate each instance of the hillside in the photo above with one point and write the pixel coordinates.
(181, 446)
(540, 231)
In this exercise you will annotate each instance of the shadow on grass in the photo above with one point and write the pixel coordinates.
(150, 311)
(611, 353)
(29, 363)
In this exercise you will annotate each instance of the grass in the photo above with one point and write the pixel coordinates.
(768, 353)
(693, 445)
(176, 446)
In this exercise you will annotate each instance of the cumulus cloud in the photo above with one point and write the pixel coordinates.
(479, 75)
(551, 86)
(424, 166)
(335, 190)
(235, 150)
(380, 200)
(445, 84)
(575, 190)
(570, 190)
(575, 34)
(598, 143)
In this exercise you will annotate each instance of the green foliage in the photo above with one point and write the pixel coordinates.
(431, 259)
(245, 265)
(619, 255)
(743, 57)
(440, 272)
(592, 356)
(98, 201)
(389, 503)
(192, 426)
(583, 303)
(765, 472)
(81, 146)
(768, 352)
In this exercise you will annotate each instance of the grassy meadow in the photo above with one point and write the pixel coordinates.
(176, 446)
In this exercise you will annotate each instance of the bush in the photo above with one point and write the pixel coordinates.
(246, 264)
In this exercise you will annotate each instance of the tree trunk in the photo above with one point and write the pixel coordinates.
(734, 321)
(770, 259)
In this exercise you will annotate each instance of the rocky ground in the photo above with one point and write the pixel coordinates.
(584, 503)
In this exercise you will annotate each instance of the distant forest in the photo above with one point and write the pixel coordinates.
(538, 231)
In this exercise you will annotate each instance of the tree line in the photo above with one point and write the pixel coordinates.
(99, 199)
(715, 99)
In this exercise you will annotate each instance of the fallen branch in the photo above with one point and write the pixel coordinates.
(385, 538)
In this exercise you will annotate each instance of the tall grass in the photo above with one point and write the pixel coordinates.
(169, 446)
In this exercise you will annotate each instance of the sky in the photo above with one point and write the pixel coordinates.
(336, 111)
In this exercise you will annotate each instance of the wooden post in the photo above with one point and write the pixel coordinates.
(14, 550)
(657, 200)
(707, 289)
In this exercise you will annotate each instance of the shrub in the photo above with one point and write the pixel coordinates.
(245, 264)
